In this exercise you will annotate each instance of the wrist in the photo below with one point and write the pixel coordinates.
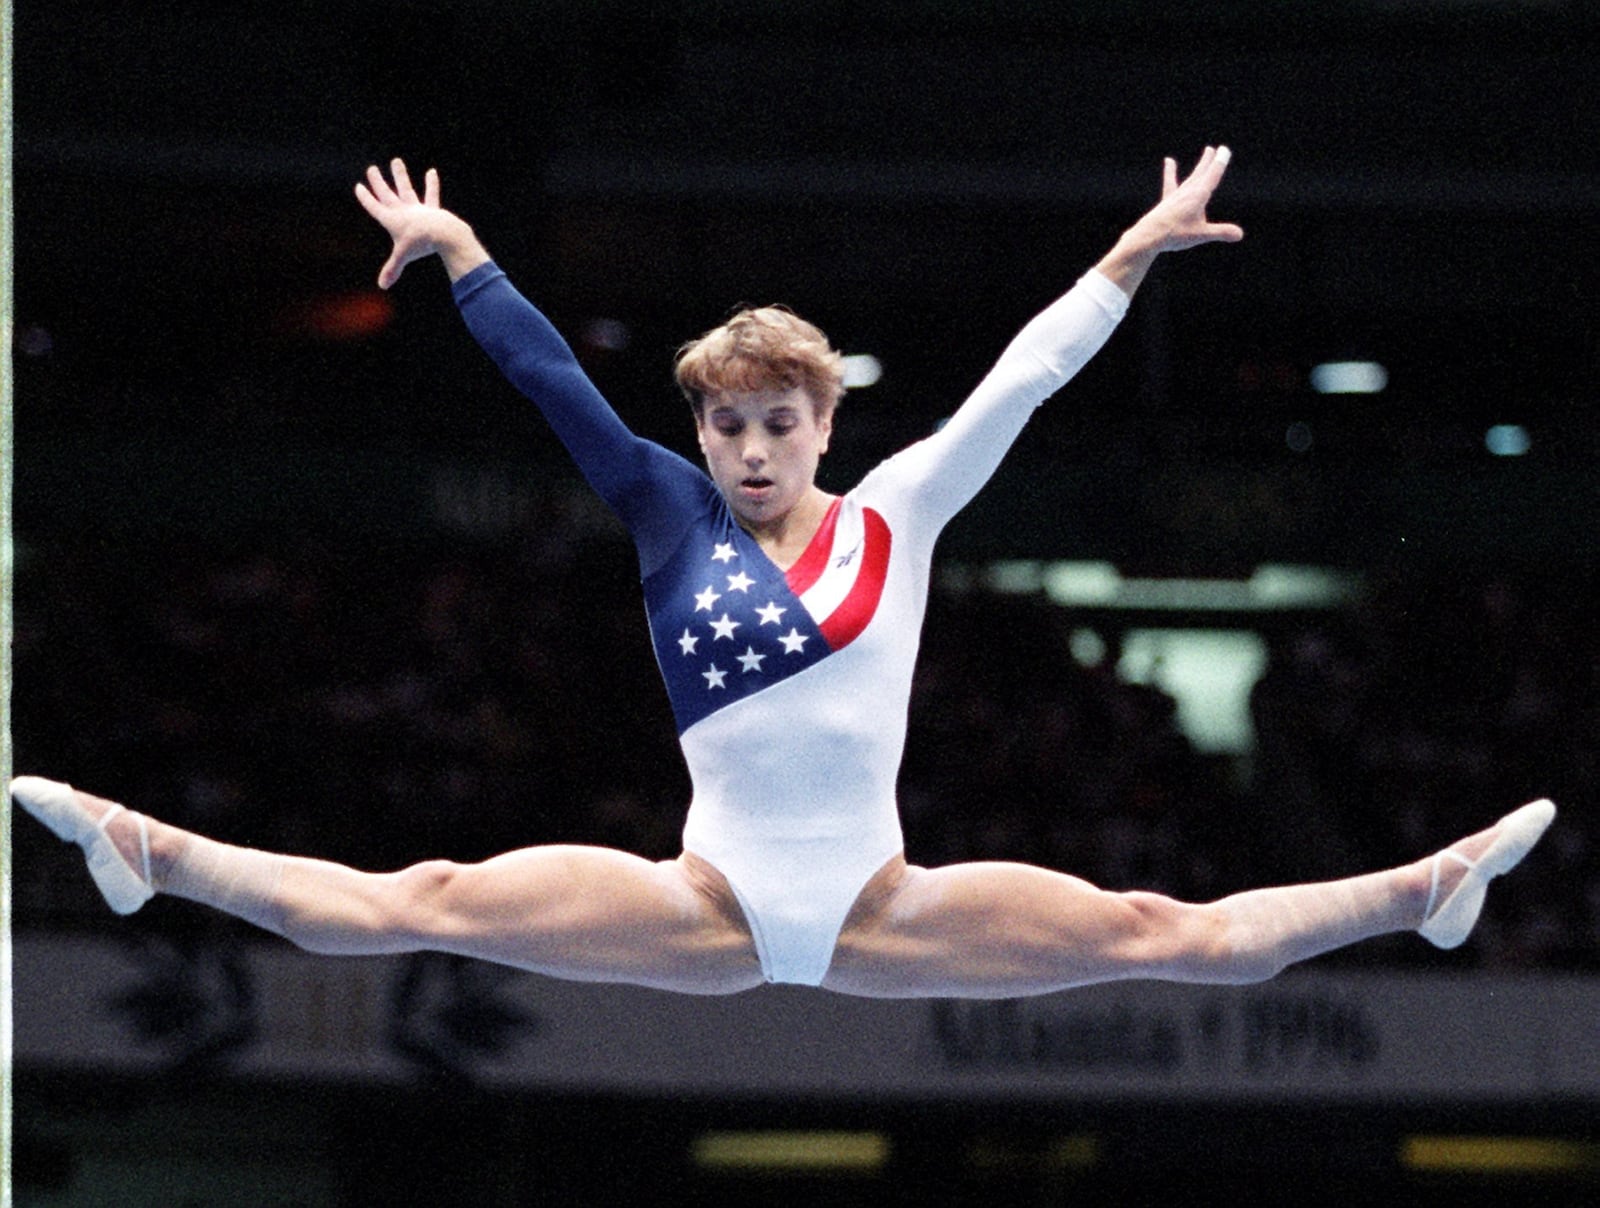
(1130, 258)
(458, 247)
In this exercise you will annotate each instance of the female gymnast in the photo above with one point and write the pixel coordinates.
(785, 622)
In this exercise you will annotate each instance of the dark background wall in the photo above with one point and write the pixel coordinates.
(919, 179)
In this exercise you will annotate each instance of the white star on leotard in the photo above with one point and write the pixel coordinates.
(704, 601)
(725, 627)
(793, 640)
(723, 553)
(688, 642)
(750, 660)
(740, 582)
(770, 614)
(714, 677)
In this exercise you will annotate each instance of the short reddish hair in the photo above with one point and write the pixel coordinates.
(761, 348)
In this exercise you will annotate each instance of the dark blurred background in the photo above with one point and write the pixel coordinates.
(296, 568)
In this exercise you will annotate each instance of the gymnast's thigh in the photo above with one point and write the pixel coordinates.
(594, 914)
(997, 930)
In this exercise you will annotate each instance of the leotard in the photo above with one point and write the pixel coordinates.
(789, 688)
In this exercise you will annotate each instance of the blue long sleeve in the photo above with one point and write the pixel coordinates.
(653, 490)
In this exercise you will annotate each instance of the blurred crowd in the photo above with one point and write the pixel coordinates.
(380, 705)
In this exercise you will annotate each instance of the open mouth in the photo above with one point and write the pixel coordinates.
(755, 486)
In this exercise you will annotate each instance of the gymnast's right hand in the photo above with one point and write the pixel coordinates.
(420, 227)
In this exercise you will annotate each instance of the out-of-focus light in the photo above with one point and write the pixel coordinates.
(1507, 440)
(356, 315)
(861, 370)
(815, 1152)
(608, 335)
(35, 341)
(1349, 377)
(1298, 438)
(1101, 585)
(1085, 583)
(1088, 647)
(1208, 672)
(1499, 1155)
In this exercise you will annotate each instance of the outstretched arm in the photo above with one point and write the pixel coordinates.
(950, 467)
(419, 226)
(647, 486)
(520, 340)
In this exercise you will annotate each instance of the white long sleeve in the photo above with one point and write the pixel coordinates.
(947, 469)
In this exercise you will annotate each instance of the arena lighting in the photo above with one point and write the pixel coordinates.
(1507, 440)
(1349, 377)
(1088, 648)
(1498, 1155)
(608, 335)
(861, 370)
(1074, 1152)
(1271, 587)
(818, 1152)
(1208, 673)
(335, 318)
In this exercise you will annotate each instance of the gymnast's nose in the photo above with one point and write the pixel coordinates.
(754, 452)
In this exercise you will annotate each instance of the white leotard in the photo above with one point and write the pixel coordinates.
(791, 687)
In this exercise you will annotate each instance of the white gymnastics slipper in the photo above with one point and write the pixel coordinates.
(1449, 925)
(56, 805)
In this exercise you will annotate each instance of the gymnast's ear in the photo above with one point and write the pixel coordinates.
(824, 418)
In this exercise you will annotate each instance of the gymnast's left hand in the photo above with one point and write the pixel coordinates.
(419, 226)
(1176, 222)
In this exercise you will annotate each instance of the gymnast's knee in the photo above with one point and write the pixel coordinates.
(1188, 942)
(420, 903)
(392, 912)
(1219, 950)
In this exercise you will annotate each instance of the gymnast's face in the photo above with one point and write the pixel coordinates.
(762, 448)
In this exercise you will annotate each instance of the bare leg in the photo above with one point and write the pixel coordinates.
(1001, 930)
(584, 913)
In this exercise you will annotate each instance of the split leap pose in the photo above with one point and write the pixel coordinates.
(785, 622)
